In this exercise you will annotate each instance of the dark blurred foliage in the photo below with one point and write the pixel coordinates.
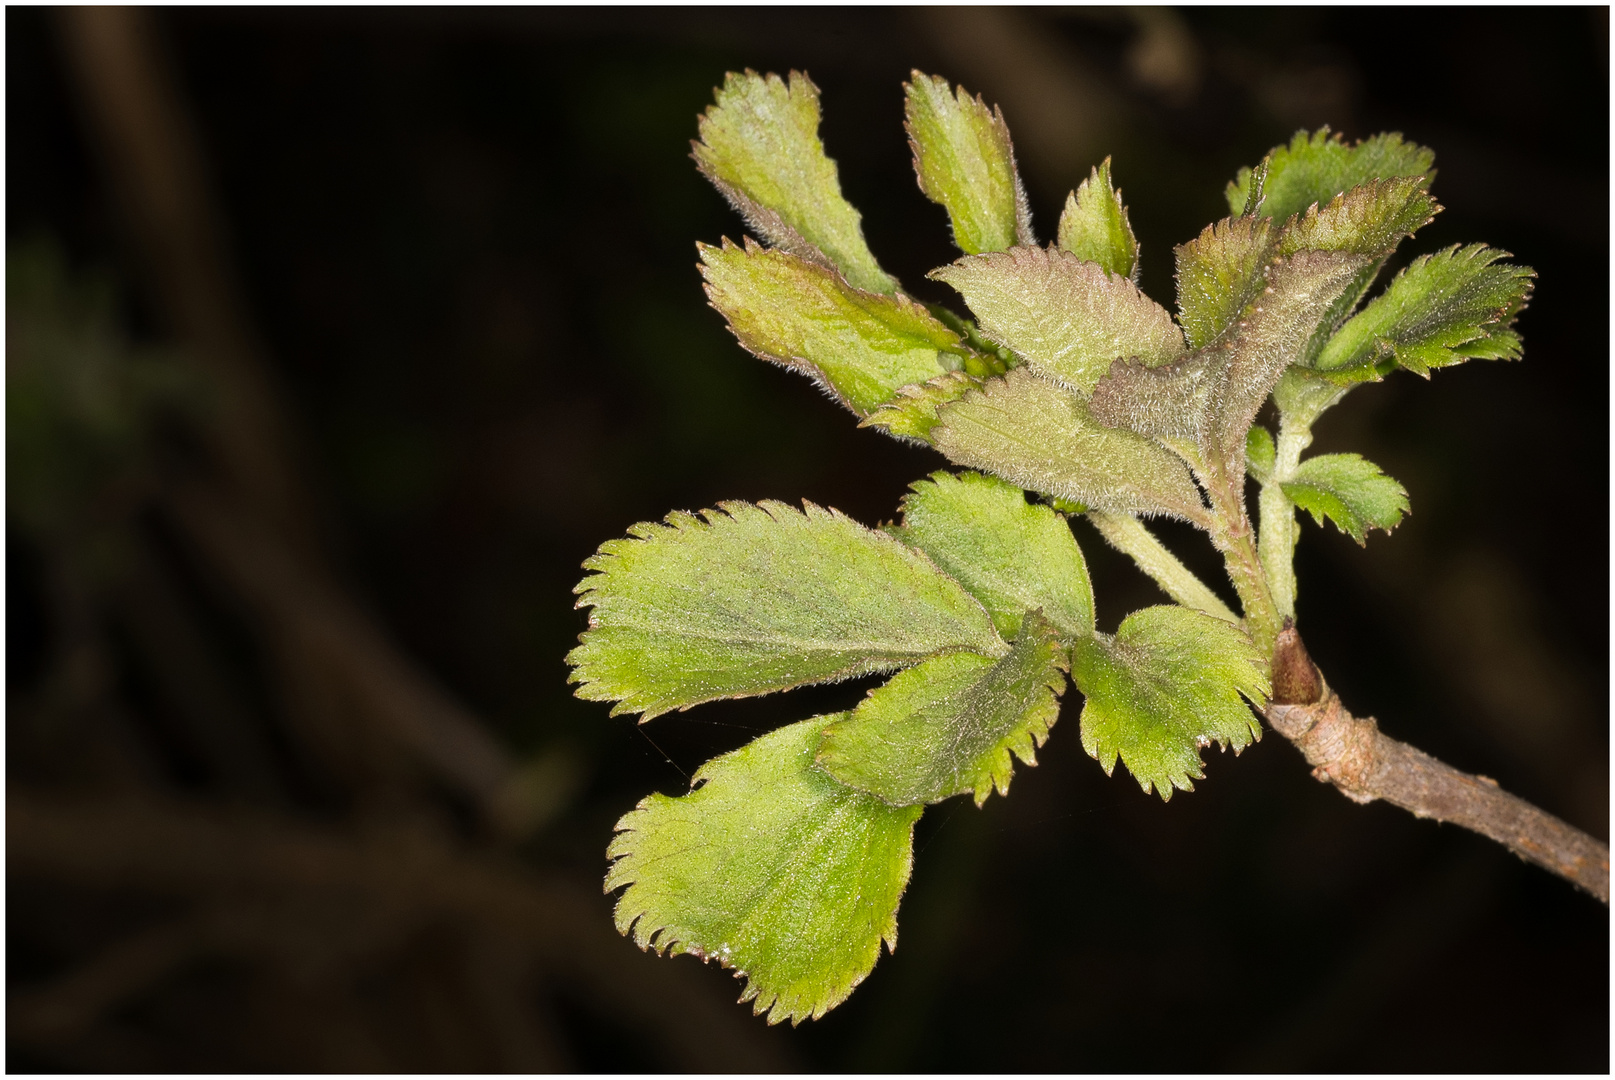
(466, 240)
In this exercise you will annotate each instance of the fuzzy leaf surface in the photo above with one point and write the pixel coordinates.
(1315, 167)
(760, 598)
(1065, 317)
(965, 162)
(1260, 453)
(861, 346)
(760, 147)
(1370, 219)
(1350, 491)
(1219, 273)
(1041, 436)
(1168, 684)
(1443, 309)
(950, 725)
(912, 413)
(1094, 225)
(1011, 555)
(771, 868)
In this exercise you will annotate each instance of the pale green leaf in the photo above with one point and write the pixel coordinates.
(1350, 491)
(1166, 686)
(1316, 167)
(913, 412)
(1260, 453)
(771, 868)
(760, 147)
(1095, 226)
(1012, 555)
(861, 346)
(1065, 317)
(1444, 308)
(965, 161)
(1039, 435)
(1219, 273)
(951, 725)
(760, 598)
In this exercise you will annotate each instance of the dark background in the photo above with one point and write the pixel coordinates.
(465, 245)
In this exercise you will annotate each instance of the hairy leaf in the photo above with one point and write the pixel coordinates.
(1095, 226)
(1444, 308)
(1171, 403)
(1350, 491)
(965, 161)
(760, 147)
(950, 725)
(1370, 219)
(1012, 555)
(1316, 167)
(861, 346)
(913, 412)
(771, 868)
(1167, 685)
(1039, 435)
(1065, 317)
(755, 599)
(1219, 273)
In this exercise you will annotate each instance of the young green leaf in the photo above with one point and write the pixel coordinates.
(760, 598)
(950, 725)
(913, 412)
(965, 161)
(1444, 308)
(1094, 226)
(1039, 435)
(760, 147)
(861, 346)
(1219, 273)
(1012, 555)
(1370, 219)
(1260, 453)
(1350, 491)
(1168, 684)
(1065, 317)
(768, 867)
(1316, 167)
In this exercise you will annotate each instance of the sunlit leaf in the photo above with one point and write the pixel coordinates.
(760, 147)
(755, 599)
(771, 868)
(1350, 491)
(1315, 167)
(965, 161)
(1094, 225)
(1012, 555)
(1444, 308)
(1065, 317)
(1039, 435)
(950, 725)
(862, 346)
(1166, 686)
(1369, 220)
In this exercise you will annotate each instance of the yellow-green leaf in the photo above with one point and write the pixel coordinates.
(965, 162)
(859, 345)
(771, 868)
(755, 599)
(1094, 225)
(1317, 166)
(1348, 490)
(951, 725)
(760, 147)
(1167, 685)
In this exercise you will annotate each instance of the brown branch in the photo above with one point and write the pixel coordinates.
(1364, 764)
